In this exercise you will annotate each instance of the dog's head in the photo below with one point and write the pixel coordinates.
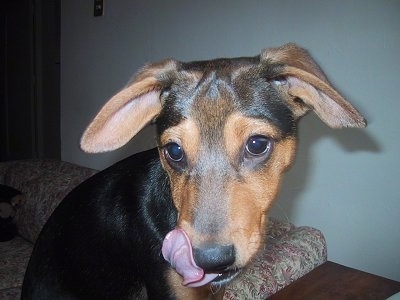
(226, 133)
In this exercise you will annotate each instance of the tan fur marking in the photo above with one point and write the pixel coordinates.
(187, 135)
(239, 128)
(252, 199)
(185, 195)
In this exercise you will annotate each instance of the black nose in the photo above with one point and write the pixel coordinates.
(214, 258)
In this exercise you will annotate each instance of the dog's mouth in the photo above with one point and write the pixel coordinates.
(225, 277)
(177, 250)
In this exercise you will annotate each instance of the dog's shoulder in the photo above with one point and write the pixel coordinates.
(125, 174)
(133, 165)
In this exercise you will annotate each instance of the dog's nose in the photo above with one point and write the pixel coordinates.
(214, 258)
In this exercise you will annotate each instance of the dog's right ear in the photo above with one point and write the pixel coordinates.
(126, 113)
(306, 87)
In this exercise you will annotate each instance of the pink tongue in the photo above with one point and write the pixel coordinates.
(177, 250)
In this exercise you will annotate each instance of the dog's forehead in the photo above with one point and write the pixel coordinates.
(223, 65)
(209, 91)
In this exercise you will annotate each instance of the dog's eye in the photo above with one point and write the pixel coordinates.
(175, 156)
(173, 152)
(258, 145)
(256, 151)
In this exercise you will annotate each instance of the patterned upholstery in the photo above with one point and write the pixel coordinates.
(44, 183)
(289, 251)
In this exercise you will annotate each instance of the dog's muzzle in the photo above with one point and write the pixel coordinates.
(177, 250)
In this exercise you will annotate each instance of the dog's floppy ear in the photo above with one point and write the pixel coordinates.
(304, 84)
(126, 113)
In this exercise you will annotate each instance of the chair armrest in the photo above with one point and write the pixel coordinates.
(289, 253)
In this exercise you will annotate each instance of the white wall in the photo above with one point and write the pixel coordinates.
(345, 183)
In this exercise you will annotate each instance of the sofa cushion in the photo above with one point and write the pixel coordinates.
(44, 183)
(10, 294)
(14, 257)
(290, 252)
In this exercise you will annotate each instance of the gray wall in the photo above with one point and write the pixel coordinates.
(345, 183)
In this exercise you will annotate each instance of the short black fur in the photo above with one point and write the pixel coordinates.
(114, 225)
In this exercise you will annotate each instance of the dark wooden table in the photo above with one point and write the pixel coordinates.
(334, 281)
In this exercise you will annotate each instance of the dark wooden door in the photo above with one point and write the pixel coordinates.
(17, 134)
(29, 82)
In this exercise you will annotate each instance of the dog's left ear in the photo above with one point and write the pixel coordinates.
(126, 113)
(306, 88)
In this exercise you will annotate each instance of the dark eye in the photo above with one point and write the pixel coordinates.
(258, 145)
(173, 152)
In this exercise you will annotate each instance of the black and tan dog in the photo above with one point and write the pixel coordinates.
(182, 220)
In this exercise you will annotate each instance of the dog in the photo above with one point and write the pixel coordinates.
(184, 219)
